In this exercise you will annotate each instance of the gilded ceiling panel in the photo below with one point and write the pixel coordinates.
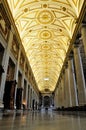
(46, 28)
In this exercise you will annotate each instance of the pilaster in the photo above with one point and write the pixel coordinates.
(79, 76)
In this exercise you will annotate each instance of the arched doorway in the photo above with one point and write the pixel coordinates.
(46, 101)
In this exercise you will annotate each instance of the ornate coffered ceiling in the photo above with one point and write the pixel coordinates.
(46, 28)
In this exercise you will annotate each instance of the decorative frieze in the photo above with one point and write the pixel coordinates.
(22, 61)
(3, 28)
(83, 34)
(15, 48)
(4, 24)
(26, 69)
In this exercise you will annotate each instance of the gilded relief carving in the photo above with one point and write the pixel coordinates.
(45, 17)
(26, 70)
(3, 27)
(46, 28)
(15, 48)
(45, 34)
(22, 61)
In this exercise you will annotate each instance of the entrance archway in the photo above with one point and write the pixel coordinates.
(46, 101)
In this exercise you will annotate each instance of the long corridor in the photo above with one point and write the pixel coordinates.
(43, 120)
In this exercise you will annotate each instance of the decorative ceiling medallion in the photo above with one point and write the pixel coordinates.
(42, 25)
(26, 10)
(46, 56)
(45, 17)
(45, 47)
(45, 34)
(45, 5)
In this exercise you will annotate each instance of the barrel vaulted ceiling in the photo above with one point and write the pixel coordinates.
(46, 28)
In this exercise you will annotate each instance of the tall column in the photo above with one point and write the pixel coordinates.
(27, 95)
(16, 71)
(30, 95)
(22, 84)
(79, 76)
(62, 89)
(31, 98)
(56, 98)
(5, 64)
(64, 86)
(43, 101)
(52, 99)
(83, 32)
(72, 81)
(67, 88)
(59, 94)
(17, 66)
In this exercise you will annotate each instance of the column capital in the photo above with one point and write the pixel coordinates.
(63, 71)
(77, 43)
(65, 66)
(70, 55)
(59, 80)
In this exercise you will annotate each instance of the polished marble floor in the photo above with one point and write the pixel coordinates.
(42, 120)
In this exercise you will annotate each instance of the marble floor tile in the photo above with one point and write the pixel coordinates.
(43, 120)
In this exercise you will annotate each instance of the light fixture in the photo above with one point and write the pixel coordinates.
(46, 78)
